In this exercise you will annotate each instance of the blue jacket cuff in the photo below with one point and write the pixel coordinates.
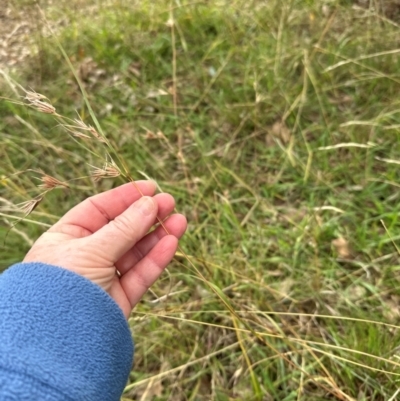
(61, 337)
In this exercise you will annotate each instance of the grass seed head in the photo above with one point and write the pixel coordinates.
(43, 107)
(80, 124)
(84, 127)
(78, 134)
(96, 134)
(49, 182)
(29, 206)
(37, 101)
(108, 170)
(32, 96)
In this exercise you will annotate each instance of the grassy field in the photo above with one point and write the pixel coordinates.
(276, 126)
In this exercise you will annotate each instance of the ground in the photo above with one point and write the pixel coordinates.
(16, 42)
(276, 127)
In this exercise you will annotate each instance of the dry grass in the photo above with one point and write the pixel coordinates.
(276, 129)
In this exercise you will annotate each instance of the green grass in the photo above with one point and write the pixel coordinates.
(264, 91)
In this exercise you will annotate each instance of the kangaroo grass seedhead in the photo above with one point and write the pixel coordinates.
(43, 107)
(78, 126)
(49, 182)
(96, 134)
(108, 170)
(78, 134)
(29, 206)
(37, 101)
(32, 96)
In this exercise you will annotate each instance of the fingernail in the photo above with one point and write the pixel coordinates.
(146, 205)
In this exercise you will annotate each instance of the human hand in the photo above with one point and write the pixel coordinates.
(109, 232)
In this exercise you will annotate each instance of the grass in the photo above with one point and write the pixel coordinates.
(276, 127)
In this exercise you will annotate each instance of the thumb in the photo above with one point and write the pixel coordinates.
(121, 234)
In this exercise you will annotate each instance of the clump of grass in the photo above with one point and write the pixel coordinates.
(275, 126)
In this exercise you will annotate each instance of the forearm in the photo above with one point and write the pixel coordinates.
(61, 337)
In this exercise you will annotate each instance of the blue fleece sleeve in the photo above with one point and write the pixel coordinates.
(61, 337)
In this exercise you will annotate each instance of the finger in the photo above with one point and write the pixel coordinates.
(116, 292)
(166, 204)
(175, 225)
(96, 211)
(121, 234)
(139, 279)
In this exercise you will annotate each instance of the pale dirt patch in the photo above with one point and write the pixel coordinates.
(22, 27)
(17, 35)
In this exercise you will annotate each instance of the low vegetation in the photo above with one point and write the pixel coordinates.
(276, 127)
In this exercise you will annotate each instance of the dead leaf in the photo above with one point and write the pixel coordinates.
(155, 93)
(281, 131)
(154, 387)
(392, 312)
(89, 71)
(285, 287)
(134, 68)
(342, 248)
(293, 213)
(356, 293)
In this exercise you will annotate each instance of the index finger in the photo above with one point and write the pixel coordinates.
(95, 212)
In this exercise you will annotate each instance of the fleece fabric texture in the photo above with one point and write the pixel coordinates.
(61, 337)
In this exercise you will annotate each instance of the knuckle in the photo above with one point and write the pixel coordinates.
(143, 282)
(138, 254)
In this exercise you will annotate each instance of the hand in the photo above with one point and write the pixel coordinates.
(109, 232)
